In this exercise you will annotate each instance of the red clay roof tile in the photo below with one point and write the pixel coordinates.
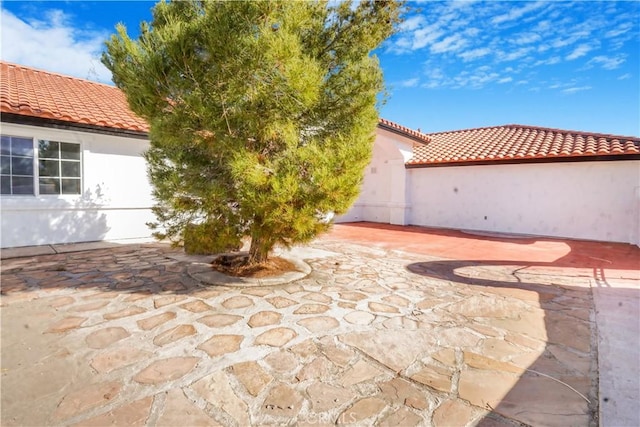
(510, 143)
(35, 93)
(414, 134)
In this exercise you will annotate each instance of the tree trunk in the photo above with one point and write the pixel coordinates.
(259, 250)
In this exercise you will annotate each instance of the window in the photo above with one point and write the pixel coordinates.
(53, 168)
(58, 167)
(17, 165)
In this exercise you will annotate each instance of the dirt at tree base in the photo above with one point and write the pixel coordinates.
(236, 265)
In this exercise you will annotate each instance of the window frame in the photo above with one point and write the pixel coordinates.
(35, 166)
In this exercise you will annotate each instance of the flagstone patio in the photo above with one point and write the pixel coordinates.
(393, 326)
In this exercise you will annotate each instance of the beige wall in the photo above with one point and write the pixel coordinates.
(114, 204)
(385, 190)
(582, 200)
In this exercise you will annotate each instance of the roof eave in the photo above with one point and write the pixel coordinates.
(22, 119)
(401, 133)
(567, 159)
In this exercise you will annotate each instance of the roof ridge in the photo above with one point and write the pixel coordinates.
(576, 132)
(515, 143)
(418, 134)
(53, 73)
(541, 128)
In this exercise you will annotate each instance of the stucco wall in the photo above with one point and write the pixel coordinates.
(384, 190)
(585, 200)
(114, 204)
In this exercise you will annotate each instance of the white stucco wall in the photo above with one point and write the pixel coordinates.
(385, 188)
(584, 200)
(114, 204)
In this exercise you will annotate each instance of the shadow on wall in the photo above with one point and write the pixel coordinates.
(552, 313)
(54, 220)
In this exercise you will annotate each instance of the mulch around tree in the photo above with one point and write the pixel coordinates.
(236, 265)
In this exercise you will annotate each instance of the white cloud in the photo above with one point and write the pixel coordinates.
(567, 40)
(527, 38)
(412, 23)
(543, 48)
(543, 26)
(624, 28)
(448, 44)
(579, 52)
(425, 36)
(409, 82)
(434, 84)
(575, 89)
(607, 62)
(471, 32)
(470, 55)
(625, 76)
(53, 45)
(514, 54)
(476, 41)
(475, 81)
(549, 61)
(514, 14)
(475, 78)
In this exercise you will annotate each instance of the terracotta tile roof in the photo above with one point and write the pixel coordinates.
(35, 93)
(518, 143)
(30, 92)
(395, 127)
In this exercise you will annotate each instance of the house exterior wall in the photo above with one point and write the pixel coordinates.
(385, 191)
(115, 201)
(583, 200)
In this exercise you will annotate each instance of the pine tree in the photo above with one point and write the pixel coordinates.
(262, 114)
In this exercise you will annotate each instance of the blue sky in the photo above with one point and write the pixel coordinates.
(453, 65)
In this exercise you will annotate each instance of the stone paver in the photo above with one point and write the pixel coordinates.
(282, 401)
(319, 323)
(402, 417)
(359, 317)
(118, 357)
(453, 413)
(217, 391)
(81, 400)
(264, 318)
(133, 414)
(325, 397)
(174, 334)
(179, 411)
(276, 337)
(219, 320)
(359, 372)
(166, 370)
(103, 338)
(156, 320)
(369, 407)
(221, 344)
(252, 376)
(66, 324)
(374, 335)
(435, 377)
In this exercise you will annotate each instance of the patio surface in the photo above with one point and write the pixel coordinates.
(394, 326)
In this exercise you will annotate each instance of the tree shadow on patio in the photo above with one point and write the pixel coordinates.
(547, 307)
